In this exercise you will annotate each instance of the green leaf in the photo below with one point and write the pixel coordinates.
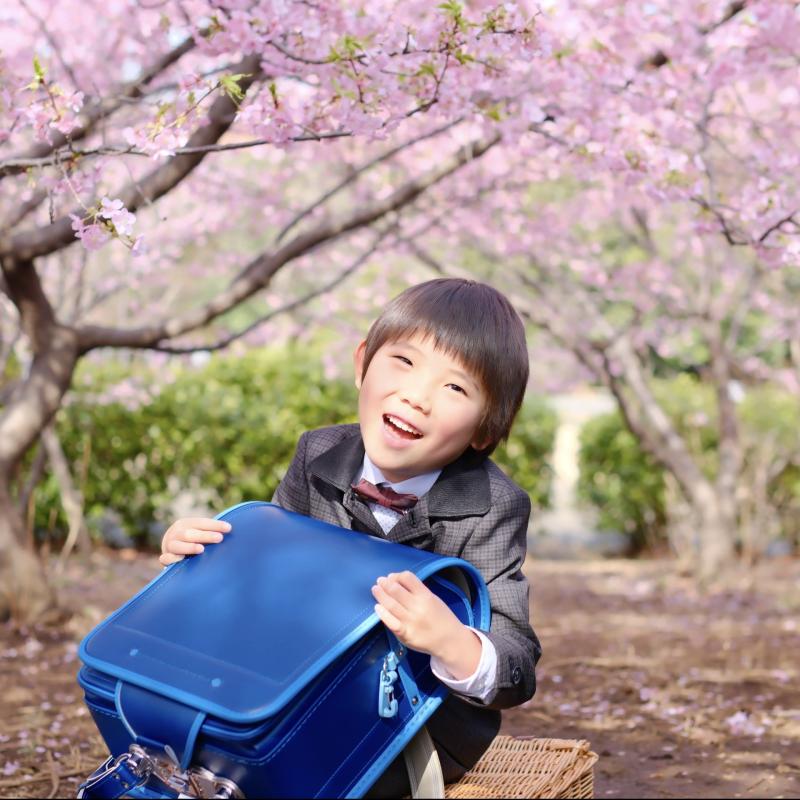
(352, 46)
(39, 75)
(427, 68)
(213, 28)
(38, 69)
(494, 111)
(455, 12)
(230, 85)
(677, 178)
(633, 158)
(451, 8)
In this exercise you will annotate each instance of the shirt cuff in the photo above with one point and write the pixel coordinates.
(478, 685)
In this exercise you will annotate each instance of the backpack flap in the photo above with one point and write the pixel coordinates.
(237, 633)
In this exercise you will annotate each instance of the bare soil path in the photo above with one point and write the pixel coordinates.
(681, 694)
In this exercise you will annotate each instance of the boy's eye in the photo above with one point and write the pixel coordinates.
(404, 360)
(455, 387)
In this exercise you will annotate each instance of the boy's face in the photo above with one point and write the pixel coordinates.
(419, 407)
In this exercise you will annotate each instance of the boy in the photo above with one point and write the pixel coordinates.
(441, 376)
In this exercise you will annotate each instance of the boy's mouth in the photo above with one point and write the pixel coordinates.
(400, 427)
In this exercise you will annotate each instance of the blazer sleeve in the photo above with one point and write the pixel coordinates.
(293, 492)
(497, 548)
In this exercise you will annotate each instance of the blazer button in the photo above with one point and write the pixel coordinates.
(516, 676)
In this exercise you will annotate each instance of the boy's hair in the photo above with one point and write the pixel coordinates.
(475, 324)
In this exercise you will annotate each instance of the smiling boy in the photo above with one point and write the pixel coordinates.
(441, 376)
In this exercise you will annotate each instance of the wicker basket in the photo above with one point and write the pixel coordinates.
(514, 767)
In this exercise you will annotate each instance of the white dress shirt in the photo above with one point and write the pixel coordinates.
(477, 685)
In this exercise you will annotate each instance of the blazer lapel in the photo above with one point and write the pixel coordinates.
(337, 467)
(462, 489)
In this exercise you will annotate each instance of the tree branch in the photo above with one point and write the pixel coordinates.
(259, 272)
(31, 244)
(642, 411)
(18, 166)
(284, 309)
(102, 108)
(51, 41)
(35, 399)
(777, 226)
(360, 171)
(660, 58)
(24, 209)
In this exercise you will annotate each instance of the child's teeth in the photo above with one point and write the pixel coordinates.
(402, 425)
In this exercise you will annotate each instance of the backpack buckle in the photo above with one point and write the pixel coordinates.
(387, 703)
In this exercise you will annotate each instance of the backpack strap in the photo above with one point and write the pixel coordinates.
(423, 765)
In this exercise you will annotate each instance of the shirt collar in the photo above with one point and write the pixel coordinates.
(419, 485)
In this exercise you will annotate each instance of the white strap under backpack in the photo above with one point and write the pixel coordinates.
(423, 765)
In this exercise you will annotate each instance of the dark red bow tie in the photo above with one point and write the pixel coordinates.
(384, 496)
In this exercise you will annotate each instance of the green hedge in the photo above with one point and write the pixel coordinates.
(525, 456)
(627, 487)
(218, 435)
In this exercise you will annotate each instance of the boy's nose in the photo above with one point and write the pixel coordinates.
(417, 397)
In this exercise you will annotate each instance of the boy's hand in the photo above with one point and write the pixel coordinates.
(185, 537)
(423, 622)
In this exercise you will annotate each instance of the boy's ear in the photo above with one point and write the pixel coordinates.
(480, 444)
(358, 361)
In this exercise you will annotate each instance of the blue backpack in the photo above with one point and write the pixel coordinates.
(260, 668)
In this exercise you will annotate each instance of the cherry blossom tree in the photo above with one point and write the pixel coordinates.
(106, 127)
(140, 153)
(662, 228)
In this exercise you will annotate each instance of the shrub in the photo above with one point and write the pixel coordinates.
(525, 456)
(628, 488)
(211, 438)
(621, 481)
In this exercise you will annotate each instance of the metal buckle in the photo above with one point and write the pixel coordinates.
(195, 782)
(137, 766)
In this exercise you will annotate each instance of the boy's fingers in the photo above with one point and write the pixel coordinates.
(206, 537)
(389, 620)
(208, 524)
(387, 601)
(409, 581)
(184, 548)
(392, 585)
(169, 558)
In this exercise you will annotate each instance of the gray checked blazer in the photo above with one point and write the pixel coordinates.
(473, 511)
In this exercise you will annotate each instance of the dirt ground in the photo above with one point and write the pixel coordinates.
(681, 694)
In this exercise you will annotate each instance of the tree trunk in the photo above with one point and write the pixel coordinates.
(715, 525)
(71, 499)
(717, 543)
(701, 534)
(25, 594)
